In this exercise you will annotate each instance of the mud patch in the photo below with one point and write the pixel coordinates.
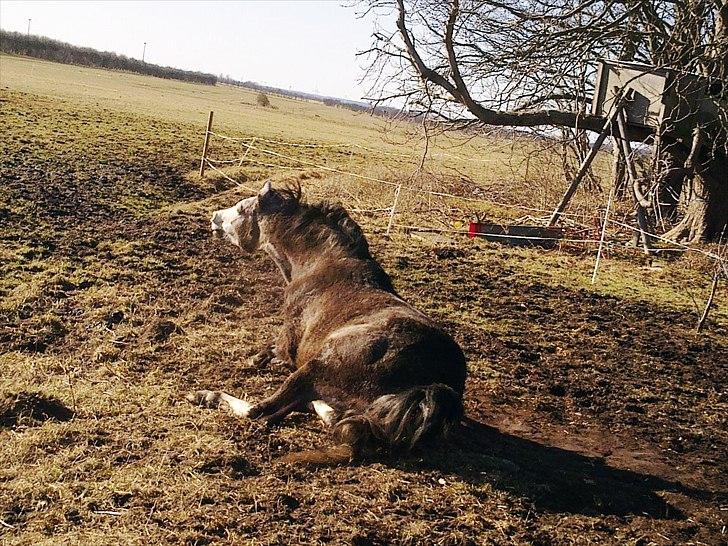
(233, 466)
(31, 408)
(160, 330)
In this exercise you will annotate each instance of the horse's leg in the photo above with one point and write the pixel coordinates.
(241, 408)
(295, 393)
(213, 399)
(283, 350)
(264, 357)
(286, 344)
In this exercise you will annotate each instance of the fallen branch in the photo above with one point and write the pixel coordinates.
(713, 289)
(107, 513)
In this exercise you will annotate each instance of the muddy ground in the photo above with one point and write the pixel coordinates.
(592, 418)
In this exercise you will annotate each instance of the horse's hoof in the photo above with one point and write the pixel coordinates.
(206, 399)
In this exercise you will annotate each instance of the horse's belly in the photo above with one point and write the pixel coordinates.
(382, 356)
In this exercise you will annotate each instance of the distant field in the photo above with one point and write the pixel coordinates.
(235, 108)
(236, 113)
(599, 414)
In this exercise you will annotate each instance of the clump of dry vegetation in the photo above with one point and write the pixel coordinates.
(588, 423)
(261, 99)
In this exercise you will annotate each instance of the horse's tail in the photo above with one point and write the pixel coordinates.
(394, 422)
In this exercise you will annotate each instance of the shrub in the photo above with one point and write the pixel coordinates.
(262, 100)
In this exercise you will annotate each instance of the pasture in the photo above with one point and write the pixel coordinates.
(598, 414)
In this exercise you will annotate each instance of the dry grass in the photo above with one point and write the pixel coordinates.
(601, 413)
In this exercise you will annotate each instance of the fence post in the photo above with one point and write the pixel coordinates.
(604, 233)
(393, 209)
(207, 142)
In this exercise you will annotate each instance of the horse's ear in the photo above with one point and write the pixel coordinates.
(269, 200)
(265, 189)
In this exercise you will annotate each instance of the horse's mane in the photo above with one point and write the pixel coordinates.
(307, 225)
(320, 220)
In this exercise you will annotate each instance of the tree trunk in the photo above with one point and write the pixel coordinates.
(707, 215)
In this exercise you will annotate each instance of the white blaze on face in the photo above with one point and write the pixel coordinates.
(225, 221)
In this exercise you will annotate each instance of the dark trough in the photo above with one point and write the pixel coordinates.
(517, 235)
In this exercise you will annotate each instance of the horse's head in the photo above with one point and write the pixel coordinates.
(240, 224)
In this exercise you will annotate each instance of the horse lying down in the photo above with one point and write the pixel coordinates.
(381, 374)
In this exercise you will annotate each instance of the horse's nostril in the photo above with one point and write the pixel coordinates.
(215, 227)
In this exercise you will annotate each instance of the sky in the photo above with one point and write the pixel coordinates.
(304, 45)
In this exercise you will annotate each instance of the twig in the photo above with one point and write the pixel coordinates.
(713, 289)
(107, 513)
(69, 377)
(393, 209)
(7, 525)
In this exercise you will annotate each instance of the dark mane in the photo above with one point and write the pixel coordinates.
(298, 219)
(307, 225)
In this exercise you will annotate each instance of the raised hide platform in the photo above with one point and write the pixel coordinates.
(546, 237)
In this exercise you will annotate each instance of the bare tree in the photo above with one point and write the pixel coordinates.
(532, 63)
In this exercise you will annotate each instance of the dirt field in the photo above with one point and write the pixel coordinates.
(596, 414)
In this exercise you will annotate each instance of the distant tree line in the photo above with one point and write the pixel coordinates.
(300, 95)
(53, 50)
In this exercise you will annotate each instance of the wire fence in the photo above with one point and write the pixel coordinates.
(599, 223)
(215, 164)
(374, 151)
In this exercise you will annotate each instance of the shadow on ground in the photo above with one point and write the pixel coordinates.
(551, 478)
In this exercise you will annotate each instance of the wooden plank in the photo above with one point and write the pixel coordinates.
(584, 167)
(516, 235)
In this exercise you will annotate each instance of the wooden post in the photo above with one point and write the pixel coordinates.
(207, 142)
(394, 207)
(584, 167)
(632, 174)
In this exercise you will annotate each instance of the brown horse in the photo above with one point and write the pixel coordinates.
(378, 371)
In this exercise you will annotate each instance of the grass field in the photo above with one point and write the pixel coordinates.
(598, 412)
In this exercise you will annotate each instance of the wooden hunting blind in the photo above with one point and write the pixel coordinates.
(633, 96)
(661, 97)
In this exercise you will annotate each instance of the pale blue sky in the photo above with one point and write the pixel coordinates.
(300, 44)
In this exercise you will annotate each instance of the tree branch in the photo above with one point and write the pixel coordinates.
(460, 93)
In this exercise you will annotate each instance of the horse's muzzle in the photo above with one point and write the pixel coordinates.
(216, 226)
